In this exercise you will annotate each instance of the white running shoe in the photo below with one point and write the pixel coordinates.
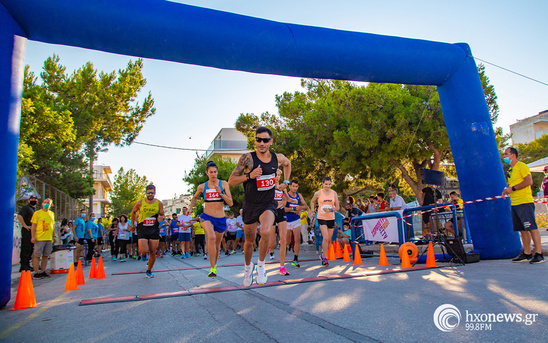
(248, 275)
(271, 256)
(261, 275)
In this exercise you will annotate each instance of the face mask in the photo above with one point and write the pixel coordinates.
(507, 160)
(83, 215)
(92, 218)
(45, 206)
(33, 203)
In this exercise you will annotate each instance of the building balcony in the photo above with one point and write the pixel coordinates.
(226, 146)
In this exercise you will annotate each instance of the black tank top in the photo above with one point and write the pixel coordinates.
(261, 190)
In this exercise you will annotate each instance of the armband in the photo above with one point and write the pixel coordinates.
(285, 181)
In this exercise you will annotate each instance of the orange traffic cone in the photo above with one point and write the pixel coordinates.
(92, 271)
(346, 257)
(338, 250)
(348, 247)
(405, 259)
(71, 285)
(431, 257)
(357, 255)
(383, 261)
(331, 253)
(25, 293)
(31, 289)
(80, 274)
(100, 273)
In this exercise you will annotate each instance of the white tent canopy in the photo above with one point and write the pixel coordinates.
(538, 165)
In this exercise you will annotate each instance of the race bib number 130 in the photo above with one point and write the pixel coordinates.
(266, 182)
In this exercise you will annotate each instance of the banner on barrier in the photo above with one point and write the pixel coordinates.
(381, 229)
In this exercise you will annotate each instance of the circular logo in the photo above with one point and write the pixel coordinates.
(443, 317)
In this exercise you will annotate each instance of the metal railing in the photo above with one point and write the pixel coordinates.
(64, 206)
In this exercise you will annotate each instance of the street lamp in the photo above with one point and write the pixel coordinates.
(92, 157)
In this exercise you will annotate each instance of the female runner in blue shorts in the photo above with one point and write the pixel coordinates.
(216, 193)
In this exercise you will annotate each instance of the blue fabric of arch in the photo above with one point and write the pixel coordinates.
(187, 34)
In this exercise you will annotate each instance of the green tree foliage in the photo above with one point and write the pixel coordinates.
(532, 151)
(67, 117)
(198, 176)
(362, 136)
(128, 188)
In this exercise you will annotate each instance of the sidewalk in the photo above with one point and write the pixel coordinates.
(396, 307)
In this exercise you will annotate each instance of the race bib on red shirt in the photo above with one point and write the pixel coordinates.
(149, 221)
(212, 194)
(266, 182)
(279, 195)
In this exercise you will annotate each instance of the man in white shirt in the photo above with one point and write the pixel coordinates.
(396, 202)
(185, 232)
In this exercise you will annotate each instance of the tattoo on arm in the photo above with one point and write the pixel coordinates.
(245, 162)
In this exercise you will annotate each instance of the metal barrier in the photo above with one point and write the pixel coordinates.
(410, 226)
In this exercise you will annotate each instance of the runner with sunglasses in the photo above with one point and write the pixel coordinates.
(151, 212)
(257, 171)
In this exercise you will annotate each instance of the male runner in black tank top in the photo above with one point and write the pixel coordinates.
(257, 171)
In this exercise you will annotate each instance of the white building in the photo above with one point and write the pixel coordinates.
(176, 204)
(528, 129)
(103, 186)
(229, 142)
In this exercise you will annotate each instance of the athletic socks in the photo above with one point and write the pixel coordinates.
(296, 258)
(247, 266)
(260, 263)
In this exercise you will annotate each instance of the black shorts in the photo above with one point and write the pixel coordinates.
(148, 232)
(81, 241)
(426, 217)
(134, 239)
(280, 216)
(330, 223)
(230, 236)
(99, 240)
(523, 217)
(252, 212)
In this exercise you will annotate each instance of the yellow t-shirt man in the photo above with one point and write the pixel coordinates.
(304, 217)
(517, 175)
(44, 221)
(198, 230)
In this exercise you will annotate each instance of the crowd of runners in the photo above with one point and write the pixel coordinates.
(272, 215)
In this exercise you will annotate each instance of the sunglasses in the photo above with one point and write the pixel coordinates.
(264, 140)
(509, 173)
(151, 193)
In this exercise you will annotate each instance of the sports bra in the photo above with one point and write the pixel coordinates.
(211, 195)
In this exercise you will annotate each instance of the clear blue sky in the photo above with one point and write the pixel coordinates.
(193, 103)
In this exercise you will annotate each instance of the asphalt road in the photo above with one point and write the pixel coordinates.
(395, 307)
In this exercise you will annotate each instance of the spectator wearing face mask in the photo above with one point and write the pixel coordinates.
(24, 217)
(78, 231)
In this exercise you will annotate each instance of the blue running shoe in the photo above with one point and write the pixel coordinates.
(144, 258)
(149, 275)
(187, 255)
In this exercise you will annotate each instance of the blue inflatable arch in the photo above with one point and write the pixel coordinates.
(181, 33)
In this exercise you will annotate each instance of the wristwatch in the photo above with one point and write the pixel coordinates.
(513, 188)
(248, 175)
